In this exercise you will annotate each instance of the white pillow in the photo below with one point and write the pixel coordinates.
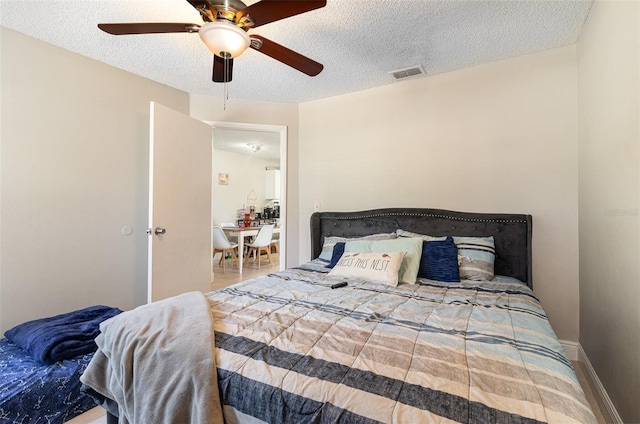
(425, 237)
(377, 267)
(330, 241)
(412, 246)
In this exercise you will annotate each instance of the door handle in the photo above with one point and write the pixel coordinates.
(159, 231)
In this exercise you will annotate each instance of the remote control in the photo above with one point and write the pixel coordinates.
(338, 285)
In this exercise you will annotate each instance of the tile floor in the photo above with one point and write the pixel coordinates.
(231, 275)
(93, 416)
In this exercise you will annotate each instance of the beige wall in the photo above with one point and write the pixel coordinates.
(74, 171)
(495, 138)
(609, 181)
(210, 108)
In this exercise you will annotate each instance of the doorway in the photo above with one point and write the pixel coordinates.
(264, 149)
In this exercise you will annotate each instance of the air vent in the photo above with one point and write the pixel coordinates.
(413, 72)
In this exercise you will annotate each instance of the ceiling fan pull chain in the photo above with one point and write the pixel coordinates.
(225, 91)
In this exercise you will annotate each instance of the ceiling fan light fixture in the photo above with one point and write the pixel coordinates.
(224, 39)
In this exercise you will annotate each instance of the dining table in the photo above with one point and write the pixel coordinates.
(241, 233)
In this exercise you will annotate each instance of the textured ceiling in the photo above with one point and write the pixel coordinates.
(358, 41)
(237, 141)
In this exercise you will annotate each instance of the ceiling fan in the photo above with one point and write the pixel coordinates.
(225, 31)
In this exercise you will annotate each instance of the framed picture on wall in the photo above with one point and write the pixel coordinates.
(223, 178)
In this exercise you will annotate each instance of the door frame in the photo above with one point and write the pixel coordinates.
(282, 131)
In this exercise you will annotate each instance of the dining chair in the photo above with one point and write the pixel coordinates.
(275, 243)
(222, 245)
(262, 243)
(230, 224)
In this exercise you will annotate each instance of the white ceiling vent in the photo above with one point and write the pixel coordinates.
(413, 72)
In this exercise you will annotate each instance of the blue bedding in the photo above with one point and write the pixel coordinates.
(31, 392)
(63, 336)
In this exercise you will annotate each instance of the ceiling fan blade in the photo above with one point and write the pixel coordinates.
(222, 69)
(267, 11)
(286, 56)
(148, 28)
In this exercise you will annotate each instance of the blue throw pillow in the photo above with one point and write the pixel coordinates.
(440, 261)
(338, 250)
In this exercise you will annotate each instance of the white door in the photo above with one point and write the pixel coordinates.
(179, 204)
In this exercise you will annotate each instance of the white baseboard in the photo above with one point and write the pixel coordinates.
(570, 349)
(610, 410)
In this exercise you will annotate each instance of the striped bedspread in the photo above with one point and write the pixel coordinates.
(289, 349)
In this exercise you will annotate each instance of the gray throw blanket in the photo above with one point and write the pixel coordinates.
(157, 363)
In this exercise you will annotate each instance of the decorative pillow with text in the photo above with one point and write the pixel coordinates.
(377, 267)
(411, 246)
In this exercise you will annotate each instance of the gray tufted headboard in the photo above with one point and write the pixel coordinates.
(511, 232)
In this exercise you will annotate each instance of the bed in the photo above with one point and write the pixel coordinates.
(288, 348)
